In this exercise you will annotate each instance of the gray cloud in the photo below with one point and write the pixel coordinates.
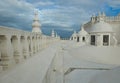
(17, 14)
(60, 14)
(41, 3)
(114, 4)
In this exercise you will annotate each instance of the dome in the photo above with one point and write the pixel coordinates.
(101, 26)
(82, 32)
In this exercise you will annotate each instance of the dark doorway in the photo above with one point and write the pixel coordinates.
(78, 39)
(83, 39)
(105, 40)
(72, 38)
(92, 39)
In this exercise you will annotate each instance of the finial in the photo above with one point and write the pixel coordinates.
(82, 27)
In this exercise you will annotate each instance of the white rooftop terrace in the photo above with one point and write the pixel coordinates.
(80, 64)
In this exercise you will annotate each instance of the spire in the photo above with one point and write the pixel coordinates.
(36, 25)
(36, 18)
(103, 14)
(74, 32)
(56, 35)
(82, 28)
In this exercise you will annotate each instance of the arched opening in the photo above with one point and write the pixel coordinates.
(23, 46)
(3, 51)
(77, 39)
(83, 39)
(29, 46)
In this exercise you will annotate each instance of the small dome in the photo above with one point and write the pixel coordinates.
(35, 24)
(74, 34)
(82, 32)
(101, 26)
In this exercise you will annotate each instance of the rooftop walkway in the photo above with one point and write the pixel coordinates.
(34, 67)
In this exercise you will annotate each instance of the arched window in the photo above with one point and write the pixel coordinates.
(83, 39)
(77, 39)
(71, 38)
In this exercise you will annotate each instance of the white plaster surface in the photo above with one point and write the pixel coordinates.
(76, 56)
(112, 76)
(32, 70)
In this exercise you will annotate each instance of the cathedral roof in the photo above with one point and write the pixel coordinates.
(101, 26)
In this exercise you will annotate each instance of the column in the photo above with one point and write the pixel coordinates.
(7, 58)
(36, 44)
(33, 46)
(109, 39)
(18, 51)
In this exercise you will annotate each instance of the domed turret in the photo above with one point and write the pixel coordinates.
(82, 32)
(101, 33)
(74, 36)
(82, 35)
(36, 25)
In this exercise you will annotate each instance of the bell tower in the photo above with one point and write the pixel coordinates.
(36, 25)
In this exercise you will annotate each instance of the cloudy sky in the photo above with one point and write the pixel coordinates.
(62, 15)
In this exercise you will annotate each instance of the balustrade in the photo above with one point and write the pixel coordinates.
(17, 45)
